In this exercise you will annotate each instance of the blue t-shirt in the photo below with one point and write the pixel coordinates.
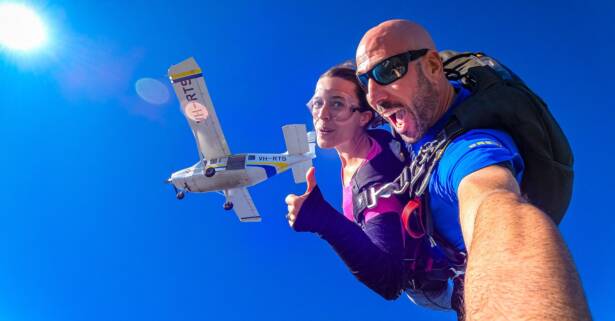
(466, 154)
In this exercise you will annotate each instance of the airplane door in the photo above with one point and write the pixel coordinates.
(236, 162)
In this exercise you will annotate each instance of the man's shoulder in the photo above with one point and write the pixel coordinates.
(479, 140)
(474, 150)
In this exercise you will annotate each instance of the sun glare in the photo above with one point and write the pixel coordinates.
(20, 28)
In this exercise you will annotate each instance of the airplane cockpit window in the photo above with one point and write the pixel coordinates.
(251, 157)
(213, 161)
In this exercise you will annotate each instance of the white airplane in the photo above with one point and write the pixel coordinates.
(220, 171)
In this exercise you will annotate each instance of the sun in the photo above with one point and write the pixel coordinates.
(21, 28)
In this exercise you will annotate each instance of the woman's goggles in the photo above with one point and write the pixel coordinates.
(340, 106)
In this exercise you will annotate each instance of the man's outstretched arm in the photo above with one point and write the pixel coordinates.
(518, 265)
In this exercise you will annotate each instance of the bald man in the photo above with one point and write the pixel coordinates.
(518, 266)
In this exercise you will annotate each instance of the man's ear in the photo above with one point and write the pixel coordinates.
(433, 64)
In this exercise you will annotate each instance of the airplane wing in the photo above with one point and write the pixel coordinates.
(243, 205)
(189, 84)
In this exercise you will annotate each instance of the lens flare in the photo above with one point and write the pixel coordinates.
(20, 28)
(152, 91)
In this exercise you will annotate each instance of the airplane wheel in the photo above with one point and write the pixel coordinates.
(228, 206)
(180, 195)
(210, 171)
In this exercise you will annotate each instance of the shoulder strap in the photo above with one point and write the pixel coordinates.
(384, 167)
(414, 178)
(421, 168)
(428, 156)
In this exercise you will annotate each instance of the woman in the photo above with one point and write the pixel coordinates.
(369, 240)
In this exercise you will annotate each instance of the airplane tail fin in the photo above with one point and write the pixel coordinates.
(295, 137)
(300, 169)
(299, 142)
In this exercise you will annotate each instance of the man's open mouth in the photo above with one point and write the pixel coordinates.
(395, 117)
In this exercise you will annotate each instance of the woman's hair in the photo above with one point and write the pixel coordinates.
(347, 71)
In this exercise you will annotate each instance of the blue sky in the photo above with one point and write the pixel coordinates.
(88, 230)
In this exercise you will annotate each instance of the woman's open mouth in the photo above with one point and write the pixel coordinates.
(325, 131)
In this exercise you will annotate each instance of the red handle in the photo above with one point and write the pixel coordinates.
(413, 208)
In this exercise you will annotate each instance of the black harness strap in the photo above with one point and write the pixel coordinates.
(384, 167)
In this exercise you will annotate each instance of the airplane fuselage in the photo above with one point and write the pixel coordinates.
(233, 171)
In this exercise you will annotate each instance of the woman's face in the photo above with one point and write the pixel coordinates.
(335, 114)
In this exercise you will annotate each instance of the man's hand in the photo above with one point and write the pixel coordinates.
(295, 202)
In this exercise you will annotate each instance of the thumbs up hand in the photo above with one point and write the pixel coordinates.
(295, 202)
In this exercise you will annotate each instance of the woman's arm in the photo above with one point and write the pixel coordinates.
(374, 256)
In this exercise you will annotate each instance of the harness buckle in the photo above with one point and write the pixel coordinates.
(456, 273)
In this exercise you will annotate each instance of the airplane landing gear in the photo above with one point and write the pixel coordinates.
(228, 206)
(210, 171)
(180, 195)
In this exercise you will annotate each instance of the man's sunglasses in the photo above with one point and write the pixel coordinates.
(390, 69)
